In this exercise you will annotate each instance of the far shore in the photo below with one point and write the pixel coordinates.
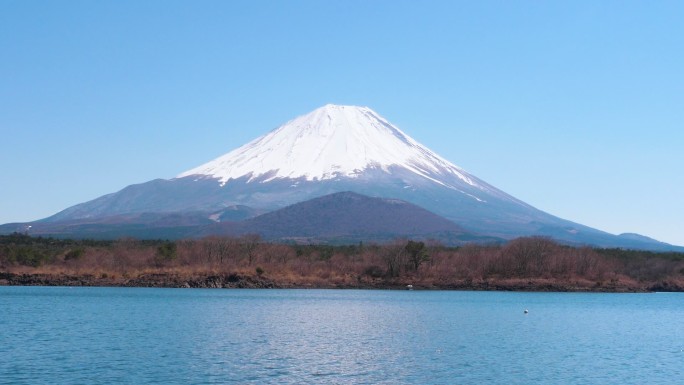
(242, 281)
(523, 264)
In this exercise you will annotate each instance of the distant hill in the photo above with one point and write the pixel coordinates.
(344, 217)
(347, 216)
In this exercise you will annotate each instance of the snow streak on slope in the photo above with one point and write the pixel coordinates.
(331, 142)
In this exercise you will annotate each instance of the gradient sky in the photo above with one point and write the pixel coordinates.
(575, 107)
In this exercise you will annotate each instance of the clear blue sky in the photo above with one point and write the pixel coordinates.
(576, 107)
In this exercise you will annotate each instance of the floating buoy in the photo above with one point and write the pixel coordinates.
(409, 287)
(526, 311)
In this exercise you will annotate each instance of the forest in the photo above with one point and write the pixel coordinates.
(532, 263)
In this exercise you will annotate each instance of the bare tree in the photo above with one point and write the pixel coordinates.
(394, 255)
(249, 245)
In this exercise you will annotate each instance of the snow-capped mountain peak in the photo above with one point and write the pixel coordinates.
(334, 149)
(330, 142)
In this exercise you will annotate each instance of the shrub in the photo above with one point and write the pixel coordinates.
(74, 254)
(167, 251)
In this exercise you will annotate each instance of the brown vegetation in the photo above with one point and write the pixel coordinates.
(522, 264)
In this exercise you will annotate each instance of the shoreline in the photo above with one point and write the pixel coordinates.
(245, 281)
(525, 264)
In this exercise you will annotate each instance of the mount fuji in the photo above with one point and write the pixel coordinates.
(329, 150)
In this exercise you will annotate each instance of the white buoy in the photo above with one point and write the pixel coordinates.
(526, 311)
(409, 287)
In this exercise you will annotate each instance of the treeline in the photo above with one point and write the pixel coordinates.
(423, 263)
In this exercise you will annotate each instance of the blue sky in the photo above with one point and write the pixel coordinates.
(576, 107)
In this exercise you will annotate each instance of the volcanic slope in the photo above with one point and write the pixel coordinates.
(342, 148)
(348, 217)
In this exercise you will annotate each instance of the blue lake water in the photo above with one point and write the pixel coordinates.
(57, 335)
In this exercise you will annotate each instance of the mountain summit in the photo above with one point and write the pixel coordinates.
(334, 142)
(330, 142)
(329, 150)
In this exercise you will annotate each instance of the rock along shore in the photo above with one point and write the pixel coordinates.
(241, 281)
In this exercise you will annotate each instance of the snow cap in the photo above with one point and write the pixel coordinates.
(330, 142)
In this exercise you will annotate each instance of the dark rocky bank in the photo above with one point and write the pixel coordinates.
(240, 281)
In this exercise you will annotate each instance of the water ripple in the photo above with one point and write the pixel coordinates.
(165, 336)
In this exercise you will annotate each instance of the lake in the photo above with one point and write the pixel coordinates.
(64, 335)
